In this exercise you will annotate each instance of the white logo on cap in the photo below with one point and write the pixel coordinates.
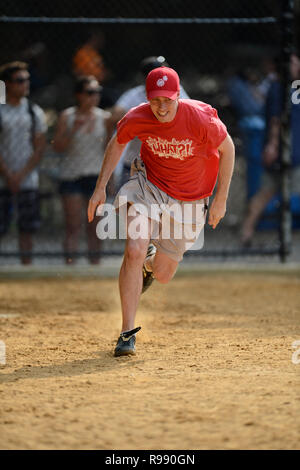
(165, 78)
(160, 82)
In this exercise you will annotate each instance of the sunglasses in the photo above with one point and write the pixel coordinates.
(91, 92)
(20, 80)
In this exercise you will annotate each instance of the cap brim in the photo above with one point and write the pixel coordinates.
(165, 93)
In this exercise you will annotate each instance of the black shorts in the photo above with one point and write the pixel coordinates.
(84, 186)
(28, 208)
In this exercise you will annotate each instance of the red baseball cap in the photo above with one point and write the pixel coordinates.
(162, 81)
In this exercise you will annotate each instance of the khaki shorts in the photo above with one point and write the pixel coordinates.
(175, 225)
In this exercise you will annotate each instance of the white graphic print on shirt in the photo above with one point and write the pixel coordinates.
(179, 149)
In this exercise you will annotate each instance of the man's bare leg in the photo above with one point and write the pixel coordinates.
(130, 279)
(162, 266)
(255, 210)
(72, 207)
(25, 245)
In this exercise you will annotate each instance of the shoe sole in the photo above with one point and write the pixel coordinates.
(145, 287)
(151, 251)
(124, 353)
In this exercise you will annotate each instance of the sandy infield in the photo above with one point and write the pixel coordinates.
(213, 368)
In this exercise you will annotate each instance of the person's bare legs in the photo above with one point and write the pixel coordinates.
(93, 242)
(72, 206)
(162, 266)
(130, 279)
(255, 210)
(25, 246)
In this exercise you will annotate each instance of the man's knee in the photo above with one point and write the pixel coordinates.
(136, 251)
(164, 267)
(163, 276)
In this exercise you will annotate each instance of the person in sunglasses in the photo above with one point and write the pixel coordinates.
(81, 137)
(22, 143)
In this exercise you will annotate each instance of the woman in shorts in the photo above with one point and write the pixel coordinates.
(81, 138)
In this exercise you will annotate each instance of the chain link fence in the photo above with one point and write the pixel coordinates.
(226, 54)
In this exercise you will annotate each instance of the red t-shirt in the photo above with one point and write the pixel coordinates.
(180, 156)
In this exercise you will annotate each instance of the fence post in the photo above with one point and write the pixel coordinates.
(287, 12)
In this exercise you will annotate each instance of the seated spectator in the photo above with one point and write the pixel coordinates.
(131, 98)
(22, 143)
(81, 136)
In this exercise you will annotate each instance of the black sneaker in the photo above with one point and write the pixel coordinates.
(126, 343)
(148, 277)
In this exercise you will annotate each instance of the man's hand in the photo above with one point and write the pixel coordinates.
(216, 212)
(98, 198)
(14, 182)
(218, 207)
(112, 155)
(270, 154)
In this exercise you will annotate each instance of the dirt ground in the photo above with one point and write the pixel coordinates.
(213, 368)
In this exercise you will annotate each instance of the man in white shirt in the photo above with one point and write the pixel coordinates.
(22, 142)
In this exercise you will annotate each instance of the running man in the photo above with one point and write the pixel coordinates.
(185, 148)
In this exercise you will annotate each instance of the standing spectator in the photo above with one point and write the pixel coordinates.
(88, 60)
(247, 93)
(271, 176)
(22, 142)
(129, 99)
(81, 136)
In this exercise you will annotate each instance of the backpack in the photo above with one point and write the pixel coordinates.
(32, 116)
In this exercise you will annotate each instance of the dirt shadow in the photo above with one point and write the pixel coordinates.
(105, 361)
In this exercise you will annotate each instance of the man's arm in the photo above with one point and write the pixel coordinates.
(63, 136)
(112, 155)
(39, 145)
(271, 150)
(7, 175)
(14, 180)
(273, 113)
(4, 171)
(227, 156)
